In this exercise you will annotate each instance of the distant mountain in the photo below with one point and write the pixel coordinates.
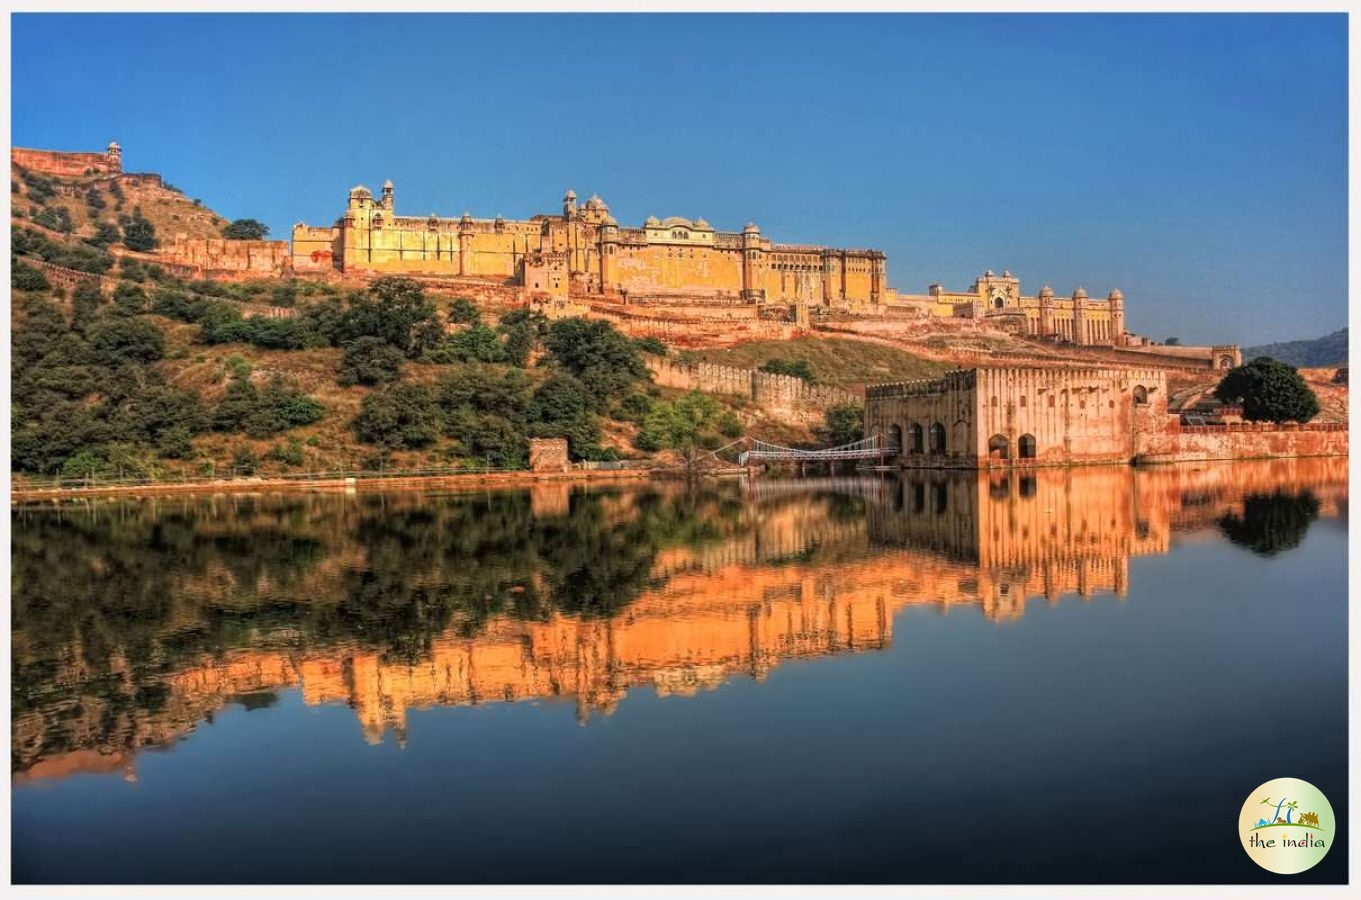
(1324, 351)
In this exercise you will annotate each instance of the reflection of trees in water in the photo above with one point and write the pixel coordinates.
(1271, 523)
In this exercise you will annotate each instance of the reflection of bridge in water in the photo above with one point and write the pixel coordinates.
(869, 488)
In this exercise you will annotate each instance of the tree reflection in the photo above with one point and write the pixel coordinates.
(1271, 523)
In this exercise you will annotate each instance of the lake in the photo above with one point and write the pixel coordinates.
(1057, 676)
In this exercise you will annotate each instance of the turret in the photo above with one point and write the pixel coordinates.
(1117, 304)
(1046, 310)
(465, 244)
(115, 157)
(387, 195)
(751, 263)
(609, 247)
(569, 204)
(1080, 317)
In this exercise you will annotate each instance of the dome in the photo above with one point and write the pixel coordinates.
(387, 184)
(751, 229)
(609, 220)
(1079, 294)
(703, 225)
(596, 203)
(1006, 273)
(1046, 291)
(360, 191)
(1116, 295)
(675, 221)
(570, 195)
(652, 222)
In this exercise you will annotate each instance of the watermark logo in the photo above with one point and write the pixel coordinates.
(1287, 826)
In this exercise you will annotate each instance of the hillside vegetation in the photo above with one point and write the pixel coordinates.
(169, 378)
(79, 206)
(842, 362)
(1330, 350)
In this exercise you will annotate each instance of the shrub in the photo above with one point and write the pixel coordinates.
(24, 277)
(370, 360)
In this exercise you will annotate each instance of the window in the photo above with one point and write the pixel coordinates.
(1140, 395)
(1027, 446)
(937, 438)
(1022, 401)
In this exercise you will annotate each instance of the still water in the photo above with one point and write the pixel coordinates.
(1066, 676)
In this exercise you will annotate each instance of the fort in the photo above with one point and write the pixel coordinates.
(1028, 416)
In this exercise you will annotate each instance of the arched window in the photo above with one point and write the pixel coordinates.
(895, 437)
(1051, 401)
(1226, 362)
(994, 401)
(914, 439)
(1026, 445)
(999, 447)
(1140, 395)
(1023, 401)
(998, 303)
(937, 438)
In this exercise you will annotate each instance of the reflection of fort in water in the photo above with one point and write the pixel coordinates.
(801, 573)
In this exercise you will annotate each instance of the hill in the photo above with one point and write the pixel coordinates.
(1330, 350)
(835, 361)
(79, 204)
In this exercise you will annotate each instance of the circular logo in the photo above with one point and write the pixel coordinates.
(1287, 826)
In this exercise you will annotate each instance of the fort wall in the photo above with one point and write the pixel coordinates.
(68, 165)
(1244, 440)
(782, 397)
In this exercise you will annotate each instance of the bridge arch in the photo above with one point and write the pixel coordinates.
(916, 446)
(1026, 446)
(895, 437)
(999, 447)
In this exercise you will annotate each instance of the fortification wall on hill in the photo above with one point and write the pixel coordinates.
(64, 165)
(781, 397)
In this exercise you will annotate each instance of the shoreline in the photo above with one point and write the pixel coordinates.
(348, 483)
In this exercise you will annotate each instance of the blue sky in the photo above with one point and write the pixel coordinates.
(1199, 163)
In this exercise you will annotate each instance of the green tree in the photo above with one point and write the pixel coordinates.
(138, 232)
(118, 342)
(106, 233)
(523, 329)
(246, 230)
(692, 424)
(401, 416)
(370, 360)
(23, 277)
(463, 311)
(562, 407)
(393, 309)
(845, 424)
(798, 368)
(1269, 391)
(129, 299)
(605, 362)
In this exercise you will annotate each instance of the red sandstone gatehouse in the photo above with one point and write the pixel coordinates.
(1017, 416)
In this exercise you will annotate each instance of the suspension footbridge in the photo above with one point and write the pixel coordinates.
(873, 447)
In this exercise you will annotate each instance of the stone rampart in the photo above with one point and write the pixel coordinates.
(781, 397)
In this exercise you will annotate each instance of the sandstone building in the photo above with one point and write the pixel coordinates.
(584, 250)
(1017, 415)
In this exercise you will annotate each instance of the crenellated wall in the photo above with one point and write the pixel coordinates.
(782, 397)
